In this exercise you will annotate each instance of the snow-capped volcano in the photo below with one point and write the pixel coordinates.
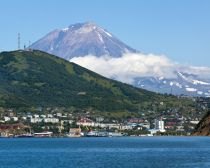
(80, 40)
(94, 48)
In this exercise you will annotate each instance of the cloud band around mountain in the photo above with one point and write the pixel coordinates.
(134, 65)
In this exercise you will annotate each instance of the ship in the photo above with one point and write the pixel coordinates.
(104, 134)
(43, 134)
(24, 136)
(116, 134)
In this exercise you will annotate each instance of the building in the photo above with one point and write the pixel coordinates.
(51, 120)
(99, 119)
(15, 118)
(49, 115)
(159, 125)
(7, 118)
(59, 114)
(36, 116)
(75, 132)
(43, 116)
(24, 118)
(36, 120)
(85, 122)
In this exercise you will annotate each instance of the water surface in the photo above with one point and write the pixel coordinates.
(145, 152)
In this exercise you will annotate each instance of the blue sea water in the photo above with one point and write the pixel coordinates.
(124, 152)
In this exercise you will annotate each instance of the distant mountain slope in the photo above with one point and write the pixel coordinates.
(182, 84)
(80, 40)
(35, 78)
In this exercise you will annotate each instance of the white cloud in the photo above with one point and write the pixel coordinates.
(132, 65)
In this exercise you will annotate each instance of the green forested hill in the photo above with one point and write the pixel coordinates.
(35, 78)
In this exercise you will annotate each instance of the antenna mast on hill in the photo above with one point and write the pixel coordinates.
(18, 41)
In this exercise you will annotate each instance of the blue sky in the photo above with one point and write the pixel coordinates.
(179, 29)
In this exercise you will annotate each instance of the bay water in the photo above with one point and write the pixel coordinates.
(121, 152)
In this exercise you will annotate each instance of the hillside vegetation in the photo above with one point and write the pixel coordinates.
(203, 127)
(38, 79)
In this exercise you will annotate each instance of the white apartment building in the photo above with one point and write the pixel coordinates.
(159, 125)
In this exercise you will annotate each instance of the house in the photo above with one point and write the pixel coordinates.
(36, 120)
(15, 118)
(194, 122)
(135, 120)
(49, 115)
(75, 132)
(43, 116)
(112, 125)
(59, 114)
(125, 127)
(99, 119)
(85, 122)
(51, 120)
(24, 118)
(7, 118)
(36, 116)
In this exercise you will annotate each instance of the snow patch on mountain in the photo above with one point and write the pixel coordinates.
(100, 37)
(65, 29)
(179, 85)
(199, 92)
(191, 89)
(196, 82)
(182, 76)
(106, 32)
(161, 78)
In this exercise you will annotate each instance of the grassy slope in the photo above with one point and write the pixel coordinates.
(40, 79)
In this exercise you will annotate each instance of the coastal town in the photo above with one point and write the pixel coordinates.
(59, 122)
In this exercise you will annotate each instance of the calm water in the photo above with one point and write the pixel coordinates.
(123, 152)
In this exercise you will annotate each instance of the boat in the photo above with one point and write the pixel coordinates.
(97, 134)
(92, 134)
(24, 136)
(116, 134)
(43, 134)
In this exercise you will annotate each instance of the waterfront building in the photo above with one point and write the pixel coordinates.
(159, 125)
(75, 132)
